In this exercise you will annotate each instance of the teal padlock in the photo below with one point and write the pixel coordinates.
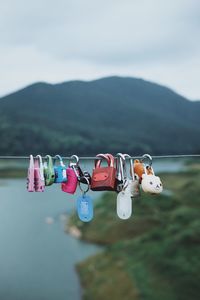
(49, 173)
(60, 171)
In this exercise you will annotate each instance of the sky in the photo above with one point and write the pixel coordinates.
(56, 41)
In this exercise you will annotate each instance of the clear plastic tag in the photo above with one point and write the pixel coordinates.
(85, 208)
(124, 205)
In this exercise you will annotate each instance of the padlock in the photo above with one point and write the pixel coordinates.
(139, 166)
(39, 174)
(30, 175)
(72, 177)
(119, 183)
(124, 198)
(123, 180)
(151, 183)
(134, 184)
(104, 178)
(60, 171)
(49, 173)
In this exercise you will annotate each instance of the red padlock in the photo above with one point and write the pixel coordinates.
(103, 178)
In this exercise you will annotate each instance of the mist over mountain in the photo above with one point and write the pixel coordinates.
(113, 114)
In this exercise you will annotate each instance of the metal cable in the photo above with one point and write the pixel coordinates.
(94, 157)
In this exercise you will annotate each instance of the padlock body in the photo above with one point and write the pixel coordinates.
(49, 177)
(103, 179)
(39, 183)
(151, 184)
(30, 180)
(60, 174)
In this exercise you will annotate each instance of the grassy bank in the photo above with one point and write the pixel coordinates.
(13, 173)
(153, 255)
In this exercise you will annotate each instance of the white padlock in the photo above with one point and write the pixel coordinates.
(150, 183)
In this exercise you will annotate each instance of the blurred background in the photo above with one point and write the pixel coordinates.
(82, 77)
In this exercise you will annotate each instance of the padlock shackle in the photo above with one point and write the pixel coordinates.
(60, 159)
(49, 163)
(108, 157)
(147, 156)
(132, 173)
(38, 164)
(31, 161)
(111, 158)
(121, 166)
(39, 157)
(74, 157)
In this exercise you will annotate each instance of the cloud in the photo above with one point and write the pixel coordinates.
(57, 41)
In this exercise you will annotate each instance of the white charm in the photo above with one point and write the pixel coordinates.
(124, 204)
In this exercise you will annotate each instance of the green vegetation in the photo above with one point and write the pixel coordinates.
(109, 115)
(13, 173)
(154, 255)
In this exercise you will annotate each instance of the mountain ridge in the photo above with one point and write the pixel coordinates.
(45, 83)
(111, 111)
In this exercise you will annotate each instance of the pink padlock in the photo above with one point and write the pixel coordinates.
(30, 176)
(39, 174)
(71, 184)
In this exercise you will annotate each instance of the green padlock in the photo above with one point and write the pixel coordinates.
(49, 173)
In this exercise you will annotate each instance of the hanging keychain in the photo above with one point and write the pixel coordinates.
(133, 184)
(124, 201)
(119, 184)
(60, 171)
(83, 176)
(84, 204)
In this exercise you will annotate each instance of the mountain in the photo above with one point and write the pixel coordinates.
(111, 114)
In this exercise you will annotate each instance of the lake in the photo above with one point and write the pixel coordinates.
(37, 259)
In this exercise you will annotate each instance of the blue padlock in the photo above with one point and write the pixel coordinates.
(60, 171)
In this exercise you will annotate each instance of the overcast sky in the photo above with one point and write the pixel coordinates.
(54, 41)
